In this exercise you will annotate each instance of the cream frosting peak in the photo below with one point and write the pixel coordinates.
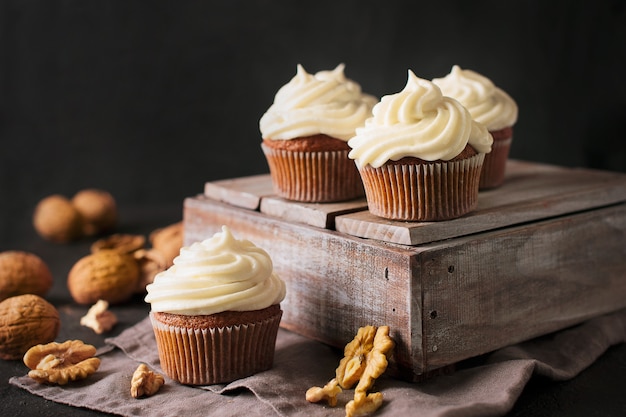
(487, 103)
(218, 274)
(417, 122)
(323, 103)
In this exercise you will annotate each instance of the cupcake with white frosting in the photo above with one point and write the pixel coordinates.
(420, 155)
(216, 311)
(305, 133)
(488, 105)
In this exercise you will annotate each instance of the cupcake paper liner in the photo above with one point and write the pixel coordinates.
(495, 164)
(216, 355)
(314, 177)
(423, 192)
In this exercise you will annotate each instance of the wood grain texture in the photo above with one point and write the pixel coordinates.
(456, 297)
(313, 214)
(530, 192)
(245, 192)
(488, 291)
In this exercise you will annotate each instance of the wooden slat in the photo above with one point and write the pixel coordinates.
(245, 192)
(531, 192)
(313, 214)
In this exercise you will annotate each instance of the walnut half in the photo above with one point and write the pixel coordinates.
(145, 382)
(60, 363)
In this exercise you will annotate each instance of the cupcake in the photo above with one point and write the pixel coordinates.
(420, 155)
(305, 133)
(216, 311)
(488, 105)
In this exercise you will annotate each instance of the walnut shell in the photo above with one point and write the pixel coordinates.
(23, 273)
(25, 321)
(121, 242)
(104, 275)
(168, 241)
(56, 219)
(97, 209)
(150, 262)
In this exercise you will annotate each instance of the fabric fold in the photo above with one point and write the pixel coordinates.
(488, 386)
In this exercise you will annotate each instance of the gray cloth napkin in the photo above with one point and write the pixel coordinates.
(487, 389)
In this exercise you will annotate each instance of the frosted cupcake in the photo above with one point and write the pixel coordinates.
(488, 105)
(305, 133)
(216, 311)
(420, 155)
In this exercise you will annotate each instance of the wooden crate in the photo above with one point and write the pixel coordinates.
(544, 251)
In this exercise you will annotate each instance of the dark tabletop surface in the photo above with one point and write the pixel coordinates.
(600, 390)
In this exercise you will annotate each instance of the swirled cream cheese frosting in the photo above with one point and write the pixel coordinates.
(420, 122)
(487, 103)
(215, 275)
(324, 103)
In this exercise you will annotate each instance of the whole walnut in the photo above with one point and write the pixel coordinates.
(168, 241)
(25, 321)
(97, 209)
(104, 275)
(57, 220)
(23, 273)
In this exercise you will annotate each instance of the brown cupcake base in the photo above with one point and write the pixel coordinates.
(313, 176)
(494, 167)
(432, 191)
(199, 350)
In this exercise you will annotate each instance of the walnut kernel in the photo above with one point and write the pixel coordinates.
(99, 318)
(327, 393)
(365, 359)
(364, 404)
(145, 382)
(60, 363)
(23, 273)
(376, 360)
(353, 363)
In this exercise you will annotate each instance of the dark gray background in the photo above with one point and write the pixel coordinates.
(151, 99)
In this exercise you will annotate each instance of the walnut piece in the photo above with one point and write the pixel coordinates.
(60, 363)
(99, 318)
(376, 360)
(364, 404)
(327, 393)
(352, 365)
(365, 359)
(145, 382)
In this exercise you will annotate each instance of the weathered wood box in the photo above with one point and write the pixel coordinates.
(543, 252)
